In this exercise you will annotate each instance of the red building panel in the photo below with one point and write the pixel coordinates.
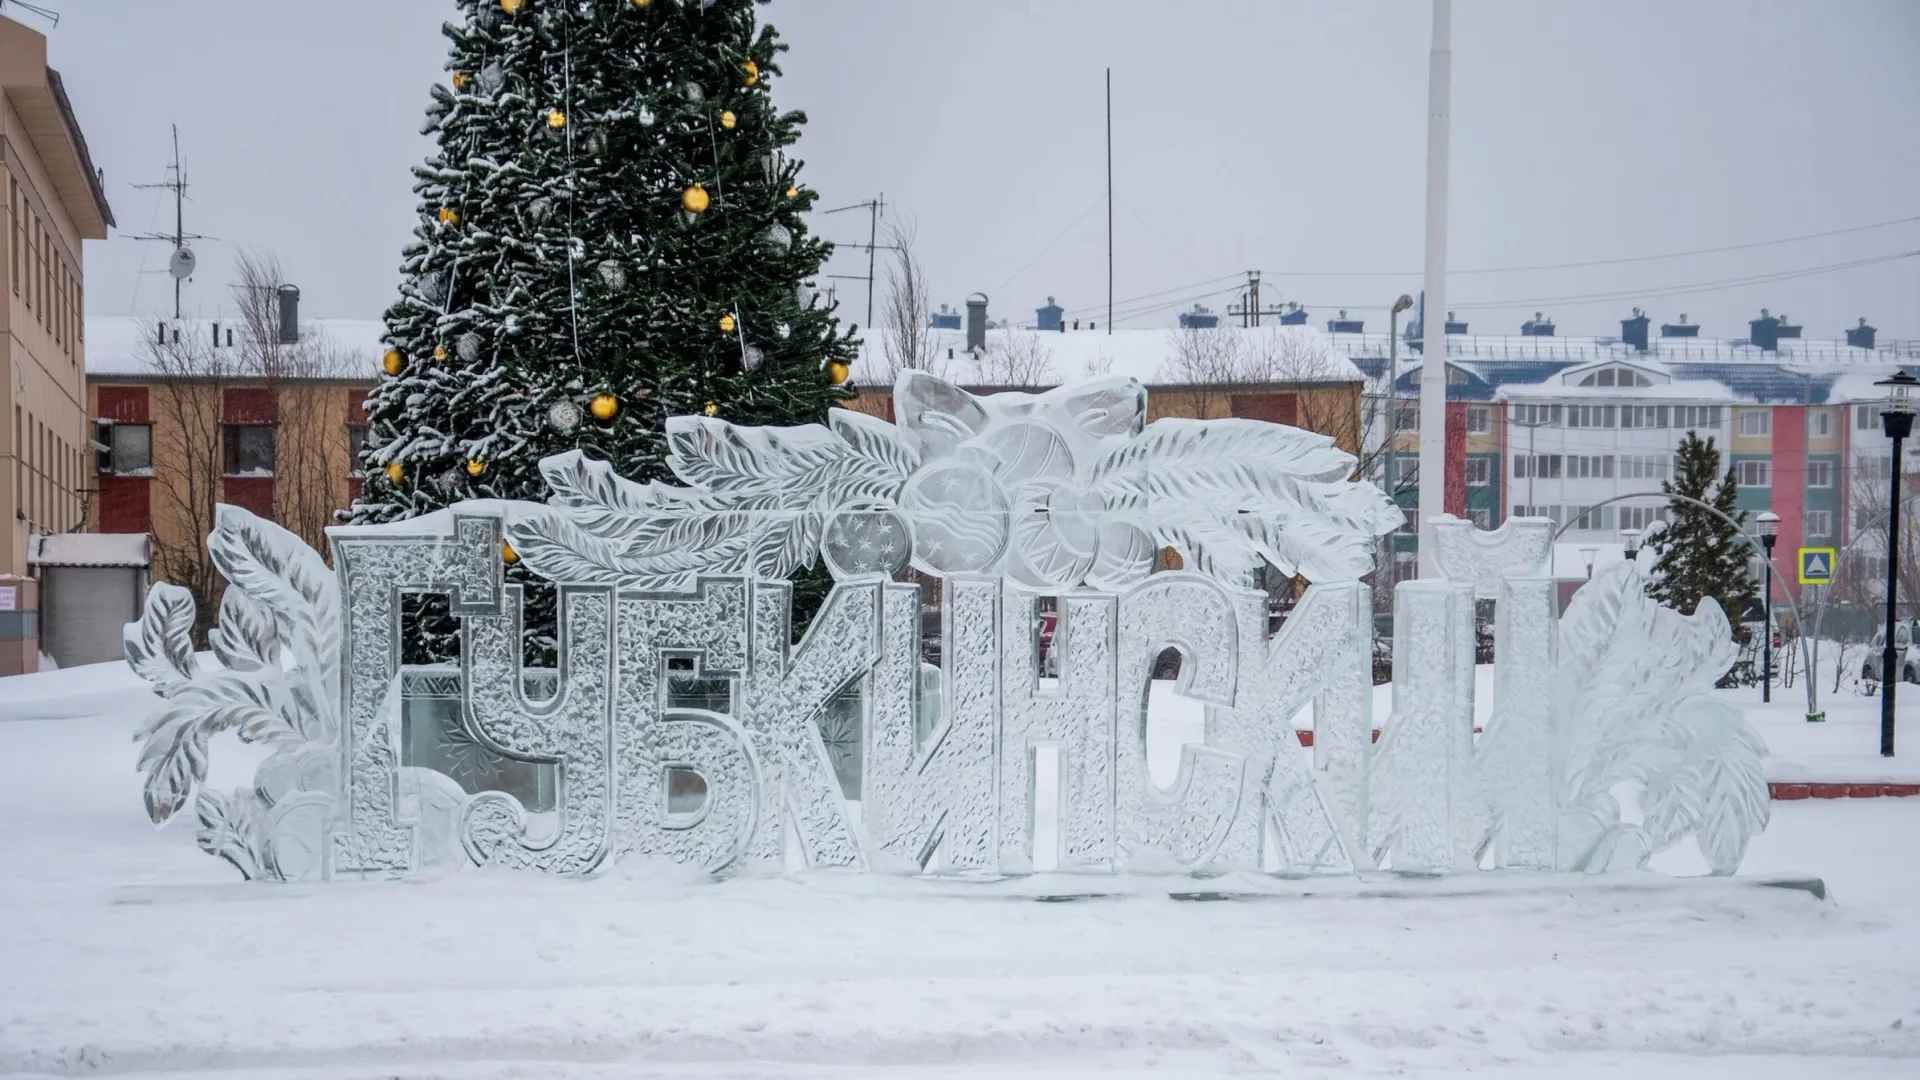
(247, 405)
(356, 406)
(125, 404)
(1274, 408)
(1456, 486)
(1789, 495)
(125, 504)
(251, 493)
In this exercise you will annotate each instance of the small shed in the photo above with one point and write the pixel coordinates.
(91, 586)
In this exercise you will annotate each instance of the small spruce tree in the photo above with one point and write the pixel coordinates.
(1701, 556)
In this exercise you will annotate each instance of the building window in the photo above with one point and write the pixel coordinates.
(1551, 513)
(249, 450)
(1479, 419)
(1591, 518)
(1819, 423)
(1592, 416)
(129, 448)
(1819, 523)
(1866, 417)
(356, 447)
(1407, 418)
(1536, 415)
(1616, 377)
(1479, 471)
(1641, 517)
(1696, 416)
(1756, 422)
(1757, 474)
(1819, 474)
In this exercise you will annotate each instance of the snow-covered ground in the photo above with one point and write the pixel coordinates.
(123, 952)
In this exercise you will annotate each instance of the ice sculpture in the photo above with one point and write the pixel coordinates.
(1005, 506)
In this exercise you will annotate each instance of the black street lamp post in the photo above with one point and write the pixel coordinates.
(1896, 419)
(1769, 523)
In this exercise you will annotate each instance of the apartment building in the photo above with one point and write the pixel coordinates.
(54, 204)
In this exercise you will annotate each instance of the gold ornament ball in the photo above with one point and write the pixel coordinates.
(710, 409)
(556, 119)
(395, 472)
(642, 3)
(508, 555)
(727, 119)
(793, 192)
(449, 216)
(439, 352)
(603, 406)
(475, 466)
(727, 323)
(694, 200)
(753, 71)
(393, 362)
(512, 7)
(461, 80)
(838, 373)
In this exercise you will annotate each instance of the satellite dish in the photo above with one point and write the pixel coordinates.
(182, 264)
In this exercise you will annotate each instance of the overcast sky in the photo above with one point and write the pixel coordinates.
(1277, 135)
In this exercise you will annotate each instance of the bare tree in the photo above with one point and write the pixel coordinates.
(192, 367)
(1016, 358)
(906, 312)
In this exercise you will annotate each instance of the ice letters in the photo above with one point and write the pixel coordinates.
(998, 501)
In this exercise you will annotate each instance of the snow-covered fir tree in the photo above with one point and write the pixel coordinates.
(609, 235)
(1699, 555)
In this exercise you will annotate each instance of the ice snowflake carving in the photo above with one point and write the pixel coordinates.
(1053, 490)
(1632, 693)
(277, 682)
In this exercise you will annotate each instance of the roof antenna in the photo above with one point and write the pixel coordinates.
(182, 263)
(48, 14)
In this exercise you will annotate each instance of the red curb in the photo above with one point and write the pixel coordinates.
(1830, 791)
(1789, 792)
(1866, 791)
(1901, 791)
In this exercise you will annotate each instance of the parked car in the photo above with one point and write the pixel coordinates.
(1906, 644)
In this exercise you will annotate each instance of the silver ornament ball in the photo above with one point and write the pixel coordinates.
(468, 346)
(564, 416)
(612, 275)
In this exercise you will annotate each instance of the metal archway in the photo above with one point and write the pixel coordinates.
(1813, 681)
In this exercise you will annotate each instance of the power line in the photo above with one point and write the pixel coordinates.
(1011, 278)
(1608, 262)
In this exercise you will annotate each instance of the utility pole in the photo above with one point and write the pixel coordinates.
(1249, 309)
(1109, 202)
(181, 263)
(1433, 366)
(874, 207)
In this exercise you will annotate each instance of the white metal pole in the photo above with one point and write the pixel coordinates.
(1433, 366)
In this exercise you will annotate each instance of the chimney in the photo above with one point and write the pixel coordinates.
(977, 322)
(1683, 328)
(1764, 332)
(1861, 337)
(289, 296)
(1634, 331)
(1538, 326)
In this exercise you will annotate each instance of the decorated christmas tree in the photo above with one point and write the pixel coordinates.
(609, 235)
(1700, 555)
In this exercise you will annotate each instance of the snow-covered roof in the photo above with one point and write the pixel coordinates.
(1585, 350)
(90, 549)
(1270, 355)
(118, 345)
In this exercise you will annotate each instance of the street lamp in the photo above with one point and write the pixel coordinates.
(1896, 419)
(1588, 553)
(1769, 523)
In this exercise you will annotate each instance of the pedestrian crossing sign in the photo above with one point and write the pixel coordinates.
(1816, 566)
